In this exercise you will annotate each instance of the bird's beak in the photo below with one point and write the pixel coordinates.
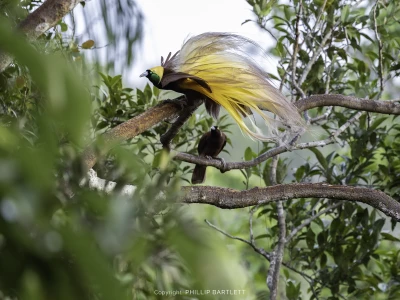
(144, 74)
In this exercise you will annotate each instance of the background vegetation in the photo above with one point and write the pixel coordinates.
(61, 240)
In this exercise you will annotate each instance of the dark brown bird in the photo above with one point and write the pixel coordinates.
(210, 145)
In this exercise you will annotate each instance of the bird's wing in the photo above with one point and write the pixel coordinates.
(223, 136)
(175, 76)
(224, 144)
(203, 143)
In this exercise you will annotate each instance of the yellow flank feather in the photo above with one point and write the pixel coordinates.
(225, 62)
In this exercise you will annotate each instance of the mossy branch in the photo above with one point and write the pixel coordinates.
(229, 198)
(39, 21)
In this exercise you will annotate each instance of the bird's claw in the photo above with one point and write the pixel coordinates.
(181, 103)
(223, 169)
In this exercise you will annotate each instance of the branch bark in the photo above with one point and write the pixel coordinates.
(377, 106)
(230, 198)
(133, 127)
(39, 21)
(277, 254)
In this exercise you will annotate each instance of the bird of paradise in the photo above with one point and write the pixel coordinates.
(219, 68)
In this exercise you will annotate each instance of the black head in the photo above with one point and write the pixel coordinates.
(154, 75)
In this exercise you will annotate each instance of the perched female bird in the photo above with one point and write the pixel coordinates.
(219, 68)
(210, 145)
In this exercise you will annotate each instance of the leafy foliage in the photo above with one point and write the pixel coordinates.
(60, 240)
(342, 47)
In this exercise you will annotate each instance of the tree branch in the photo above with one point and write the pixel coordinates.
(250, 163)
(38, 22)
(229, 198)
(277, 254)
(316, 54)
(295, 52)
(133, 127)
(380, 48)
(384, 107)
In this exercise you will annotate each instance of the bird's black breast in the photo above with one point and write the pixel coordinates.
(211, 143)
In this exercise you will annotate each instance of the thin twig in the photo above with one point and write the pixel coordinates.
(295, 51)
(265, 254)
(325, 115)
(316, 54)
(380, 56)
(258, 250)
(321, 11)
(309, 220)
(252, 211)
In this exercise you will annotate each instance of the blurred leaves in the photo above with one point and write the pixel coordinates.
(60, 240)
(119, 27)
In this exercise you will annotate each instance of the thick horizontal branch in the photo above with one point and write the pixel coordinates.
(41, 20)
(230, 198)
(133, 127)
(384, 107)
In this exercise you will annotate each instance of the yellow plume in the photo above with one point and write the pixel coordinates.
(224, 62)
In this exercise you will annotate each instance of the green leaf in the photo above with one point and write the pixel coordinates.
(390, 237)
(299, 173)
(287, 12)
(148, 93)
(262, 236)
(249, 154)
(161, 159)
(88, 44)
(292, 291)
(377, 122)
(64, 27)
(320, 157)
(344, 15)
